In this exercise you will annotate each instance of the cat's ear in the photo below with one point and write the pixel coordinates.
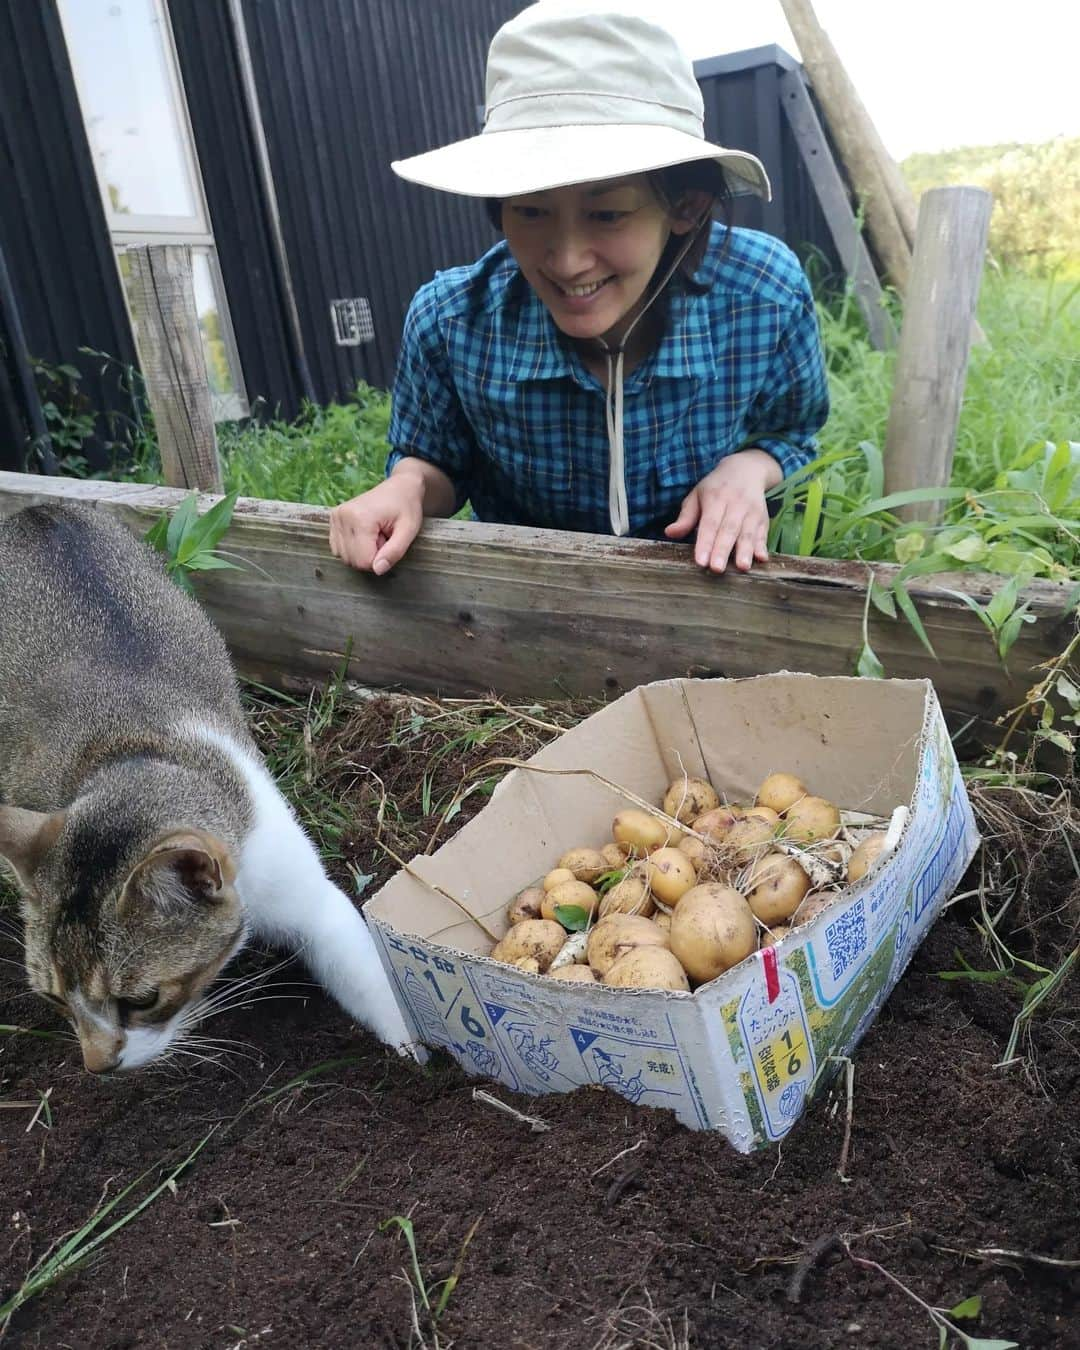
(26, 837)
(187, 865)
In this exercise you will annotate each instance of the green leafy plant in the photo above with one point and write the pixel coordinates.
(189, 541)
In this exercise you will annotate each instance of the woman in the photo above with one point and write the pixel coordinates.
(618, 362)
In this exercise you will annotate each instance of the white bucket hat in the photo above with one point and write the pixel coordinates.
(575, 95)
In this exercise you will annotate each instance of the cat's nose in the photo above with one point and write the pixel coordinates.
(100, 1053)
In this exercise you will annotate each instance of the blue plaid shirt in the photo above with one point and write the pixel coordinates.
(487, 390)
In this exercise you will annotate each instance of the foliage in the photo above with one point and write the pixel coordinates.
(72, 420)
(189, 541)
(1036, 190)
(327, 455)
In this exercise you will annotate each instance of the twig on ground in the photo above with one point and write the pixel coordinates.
(612, 1161)
(535, 1123)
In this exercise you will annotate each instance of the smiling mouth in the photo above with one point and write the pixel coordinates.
(581, 292)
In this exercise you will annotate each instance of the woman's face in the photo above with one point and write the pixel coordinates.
(589, 251)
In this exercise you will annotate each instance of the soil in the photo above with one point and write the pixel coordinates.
(616, 1227)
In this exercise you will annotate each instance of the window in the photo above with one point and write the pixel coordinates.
(133, 106)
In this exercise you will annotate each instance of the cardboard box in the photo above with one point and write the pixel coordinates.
(739, 1054)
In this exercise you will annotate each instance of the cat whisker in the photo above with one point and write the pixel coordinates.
(224, 1047)
(216, 1059)
(233, 990)
(196, 1015)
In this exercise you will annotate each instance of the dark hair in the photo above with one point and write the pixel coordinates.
(670, 186)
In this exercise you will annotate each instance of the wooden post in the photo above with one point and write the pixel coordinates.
(935, 341)
(162, 298)
(835, 205)
(874, 175)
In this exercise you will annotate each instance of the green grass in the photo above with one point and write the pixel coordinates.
(324, 456)
(1023, 386)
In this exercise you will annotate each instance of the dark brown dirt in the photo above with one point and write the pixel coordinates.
(616, 1228)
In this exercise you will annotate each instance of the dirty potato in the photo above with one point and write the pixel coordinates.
(647, 968)
(712, 930)
(689, 797)
(541, 939)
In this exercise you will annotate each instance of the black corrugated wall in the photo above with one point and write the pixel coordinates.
(344, 87)
(743, 109)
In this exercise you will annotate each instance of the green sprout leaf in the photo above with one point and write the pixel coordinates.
(573, 918)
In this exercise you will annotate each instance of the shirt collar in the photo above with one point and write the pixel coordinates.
(686, 350)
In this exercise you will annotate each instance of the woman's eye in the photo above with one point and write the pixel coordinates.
(139, 1003)
(528, 212)
(609, 217)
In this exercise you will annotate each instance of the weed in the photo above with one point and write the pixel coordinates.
(189, 541)
(434, 1300)
(74, 1250)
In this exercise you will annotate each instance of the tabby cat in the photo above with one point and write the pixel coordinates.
(147, 836)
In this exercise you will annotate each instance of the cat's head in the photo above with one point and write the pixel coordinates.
(121, 936)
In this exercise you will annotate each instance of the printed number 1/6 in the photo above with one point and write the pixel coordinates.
(429, 976)
(471, 1025)
(794, 1063)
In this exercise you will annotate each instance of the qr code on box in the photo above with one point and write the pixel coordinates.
(846, 939)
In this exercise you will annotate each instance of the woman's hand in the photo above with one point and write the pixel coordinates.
(728, 508)
(372, 532)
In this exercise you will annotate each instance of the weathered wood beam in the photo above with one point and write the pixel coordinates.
(935, 342)
(166, 328)
(836, 208)
(540, 613)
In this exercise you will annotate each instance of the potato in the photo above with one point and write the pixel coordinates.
(765, 813)
(780, 790)
(811, 819)
(527, 963)
(715, 823)
(575, 974)
(647, 968)
(749, 839)
(689, 797)
(642, 831)
(615, 855)
(539, 938)
(617, 933)
(670, 873)
(775, 888)
(585, 863)
(662, 921)
(865, 855)
(569, 893)
(775, 935)
(694, 850)
(556, 877)
(712, 930)
(629, 896)
(812, 906)
(526, 904)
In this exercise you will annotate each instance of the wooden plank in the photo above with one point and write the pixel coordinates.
(836, 208)
(166, 327)
(935, 341)
(852, 131)
(542, 613)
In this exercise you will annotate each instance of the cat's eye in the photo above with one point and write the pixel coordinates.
(142, 1003)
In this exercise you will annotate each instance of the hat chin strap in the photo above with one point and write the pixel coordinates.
(618, 509)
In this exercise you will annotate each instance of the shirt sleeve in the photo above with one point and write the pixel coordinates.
(793, 402)
(426, 417)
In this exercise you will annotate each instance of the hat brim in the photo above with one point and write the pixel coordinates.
(535, 159)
